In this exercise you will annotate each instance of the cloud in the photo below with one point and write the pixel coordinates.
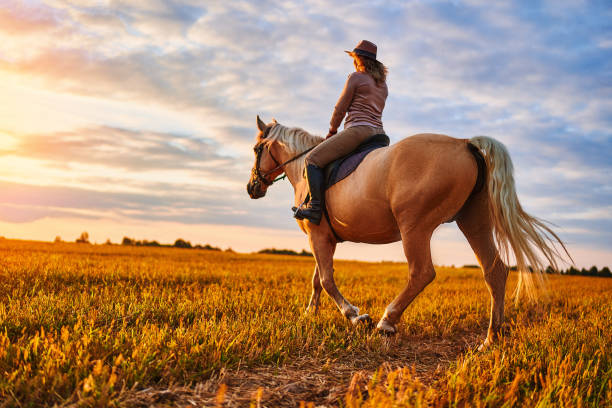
(113, 172)
(17, 19)
(123, 149)
(160, 202)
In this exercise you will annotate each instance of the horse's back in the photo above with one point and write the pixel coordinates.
(425, 177)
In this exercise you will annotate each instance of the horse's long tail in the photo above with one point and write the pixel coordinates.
(514, 229)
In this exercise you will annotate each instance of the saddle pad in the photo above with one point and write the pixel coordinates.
(341, 168)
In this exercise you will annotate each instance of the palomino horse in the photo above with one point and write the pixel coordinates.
(404, 192)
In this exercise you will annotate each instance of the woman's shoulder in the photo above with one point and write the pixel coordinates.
(359, 77)
(358, 74)
(363, 78)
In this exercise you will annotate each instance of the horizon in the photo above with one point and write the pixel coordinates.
(207, 246)
(137, 118)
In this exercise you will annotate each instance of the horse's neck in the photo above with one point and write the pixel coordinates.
(295, 169)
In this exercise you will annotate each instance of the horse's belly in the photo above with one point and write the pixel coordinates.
(359, 209)
(372, 226)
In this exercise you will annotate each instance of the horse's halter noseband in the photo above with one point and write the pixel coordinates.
(259, 147)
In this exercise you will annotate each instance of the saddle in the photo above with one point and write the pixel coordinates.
(341, 168)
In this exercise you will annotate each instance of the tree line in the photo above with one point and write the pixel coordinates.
(127, 241)
(592, 271)
(181, 243)
(275, 251)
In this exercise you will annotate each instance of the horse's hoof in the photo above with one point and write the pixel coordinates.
(311, 312)
(485, 345)
(385, 328)
(362, 319)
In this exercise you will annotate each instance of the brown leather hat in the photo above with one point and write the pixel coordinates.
(364, 48)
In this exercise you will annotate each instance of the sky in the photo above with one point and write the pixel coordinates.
(137, 118)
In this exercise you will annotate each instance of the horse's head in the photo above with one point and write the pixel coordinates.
(266, 167)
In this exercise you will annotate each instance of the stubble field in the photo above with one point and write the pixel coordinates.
(99, 325)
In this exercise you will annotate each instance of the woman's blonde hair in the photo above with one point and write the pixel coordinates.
(375, 68)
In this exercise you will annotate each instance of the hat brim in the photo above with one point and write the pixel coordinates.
(361, 53)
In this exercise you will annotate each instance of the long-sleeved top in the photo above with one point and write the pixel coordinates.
(362, 101)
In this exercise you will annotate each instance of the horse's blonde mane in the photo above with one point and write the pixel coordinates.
(295, 140)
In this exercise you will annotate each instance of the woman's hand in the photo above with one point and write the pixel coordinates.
(330, 134)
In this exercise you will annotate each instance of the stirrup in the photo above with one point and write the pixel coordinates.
(299, 207)
(295, 212)
(312, 214)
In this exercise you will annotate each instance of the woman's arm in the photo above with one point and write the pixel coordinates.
(346, 97)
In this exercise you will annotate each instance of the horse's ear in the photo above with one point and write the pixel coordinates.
(274, 121)
(260, 124)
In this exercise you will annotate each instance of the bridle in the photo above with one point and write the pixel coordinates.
(259, 147)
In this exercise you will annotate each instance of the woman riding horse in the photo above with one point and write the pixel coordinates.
(404, 192)
(362, 101)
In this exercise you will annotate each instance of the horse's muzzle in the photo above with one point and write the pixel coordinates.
(254, 190)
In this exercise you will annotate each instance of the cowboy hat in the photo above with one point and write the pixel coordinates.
(364, 48)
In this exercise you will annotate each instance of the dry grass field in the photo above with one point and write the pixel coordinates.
(99, 325)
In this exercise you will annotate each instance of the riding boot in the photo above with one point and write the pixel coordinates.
(312, 210)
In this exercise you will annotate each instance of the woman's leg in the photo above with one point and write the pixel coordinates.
(340, 145)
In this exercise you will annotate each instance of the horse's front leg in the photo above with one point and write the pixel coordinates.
(420, 274)
(323, 248)
(313, 305)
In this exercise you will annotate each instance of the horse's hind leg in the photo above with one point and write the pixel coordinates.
(474, 222)
(313, 305)
(420, 274)
(323, 248)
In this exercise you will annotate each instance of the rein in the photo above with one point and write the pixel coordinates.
(263, 177)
